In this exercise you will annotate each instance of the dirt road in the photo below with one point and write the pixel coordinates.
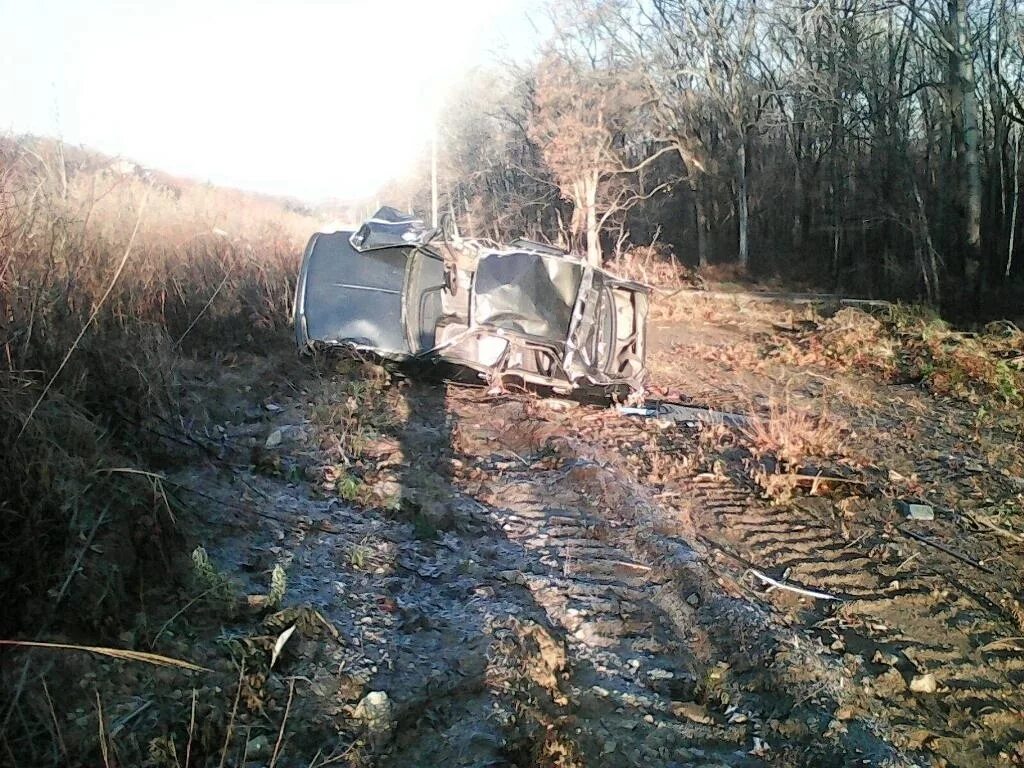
(496, 580)
(542, 606)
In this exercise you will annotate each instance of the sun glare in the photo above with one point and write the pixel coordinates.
(312, 99)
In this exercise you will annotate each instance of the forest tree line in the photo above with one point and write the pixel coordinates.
(867, 146)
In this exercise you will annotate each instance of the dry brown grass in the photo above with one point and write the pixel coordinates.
(92, 336)
(911, 344)
(654, 265)
(792, 435)
(209, 269)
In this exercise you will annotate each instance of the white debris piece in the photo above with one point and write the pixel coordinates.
(924, 684)
(374, 712)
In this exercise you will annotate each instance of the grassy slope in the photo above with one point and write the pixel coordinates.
(94, 321)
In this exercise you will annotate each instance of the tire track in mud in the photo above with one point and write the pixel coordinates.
(906, 614)
(578, 613)
(660, 658)
(626, 665)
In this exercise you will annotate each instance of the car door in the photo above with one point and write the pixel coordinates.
(424, 302)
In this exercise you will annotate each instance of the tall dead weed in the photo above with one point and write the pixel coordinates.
(91, 336)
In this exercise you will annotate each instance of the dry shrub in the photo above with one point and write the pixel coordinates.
(724, 273)
(913, 345)
(983, 366)
(686, 306)
(90, 344)
(655, 265)
(782, 442)
(65, 498)
(791, 435)
(855, 339)
(216, 263)
(972, 367)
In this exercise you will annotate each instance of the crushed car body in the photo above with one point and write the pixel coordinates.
(526, 310)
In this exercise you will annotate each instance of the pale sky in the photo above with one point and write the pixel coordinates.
(312, 98)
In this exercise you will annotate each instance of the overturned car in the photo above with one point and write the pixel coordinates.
(397, 289)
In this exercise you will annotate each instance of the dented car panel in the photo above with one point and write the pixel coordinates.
(527, 311)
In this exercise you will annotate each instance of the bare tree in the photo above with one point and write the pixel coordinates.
(580, 118)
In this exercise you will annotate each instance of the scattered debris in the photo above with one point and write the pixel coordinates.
(788, 297)
(774, 584)
(817, 480)
(761, 747)
(274, 439)
(987, 522)
(973, 465)
(693, 711)
(374, 713)
(685, 414)
(279, 645)
(257, 748)
(287, 434)
(924, 684)
(915, 510)
(948, 550)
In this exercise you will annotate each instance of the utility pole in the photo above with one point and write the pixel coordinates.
(433, 175)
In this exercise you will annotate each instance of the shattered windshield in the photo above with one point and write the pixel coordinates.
(529, 293)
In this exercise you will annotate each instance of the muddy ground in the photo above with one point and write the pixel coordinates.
(496, 579)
